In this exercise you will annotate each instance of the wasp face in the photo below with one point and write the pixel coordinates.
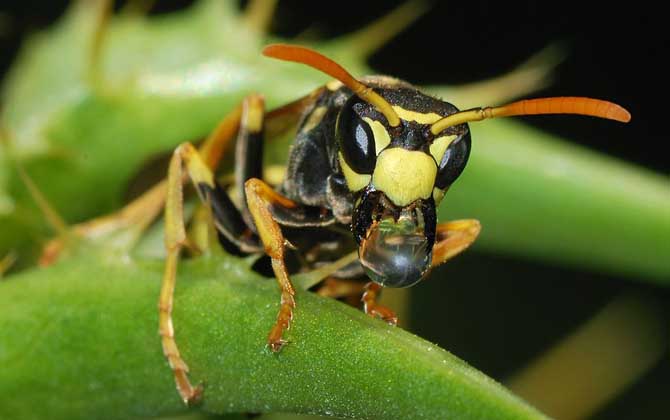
(399, 175)
(395, 243)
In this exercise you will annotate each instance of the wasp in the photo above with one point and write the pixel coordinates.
(371, 161)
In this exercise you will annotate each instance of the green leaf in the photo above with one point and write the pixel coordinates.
(79, 340)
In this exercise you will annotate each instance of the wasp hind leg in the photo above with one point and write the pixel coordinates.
(260, 198)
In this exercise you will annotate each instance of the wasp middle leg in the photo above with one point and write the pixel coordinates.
(268, 209)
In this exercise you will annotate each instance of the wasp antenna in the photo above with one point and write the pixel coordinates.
(559, 105)
(322, 63)
(370, 38)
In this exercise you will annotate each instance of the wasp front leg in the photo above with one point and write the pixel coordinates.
(372, 308)
(260, 198)
(269, 209)
(454, 237)
(367, 293)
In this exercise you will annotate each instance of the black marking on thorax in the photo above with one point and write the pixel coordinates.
(314, 153)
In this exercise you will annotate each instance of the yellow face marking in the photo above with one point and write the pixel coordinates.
(404, 175)
(421, 118)
(355, 181)
(382, 138)
(314, 118)
(440, 145)
(333, 85)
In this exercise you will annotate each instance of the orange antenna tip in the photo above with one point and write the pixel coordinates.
(559, 105)
(620, 114)
(322, 63)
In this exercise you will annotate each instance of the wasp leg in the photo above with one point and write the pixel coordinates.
(340, 288)
(372, 308)
(175, 240)
(141, 212)
(249, 150)
(227, 218)
(454, 237)
(260, 197)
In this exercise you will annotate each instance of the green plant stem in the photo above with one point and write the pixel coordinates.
(593, 365)
(81, 339)
(547, 199)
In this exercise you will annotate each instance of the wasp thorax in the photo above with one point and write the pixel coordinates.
(396, 252)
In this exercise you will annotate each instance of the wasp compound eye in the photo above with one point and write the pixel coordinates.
(355, 137)
(396, 253)
(453, 162)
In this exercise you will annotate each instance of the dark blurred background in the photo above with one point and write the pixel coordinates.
(508, 311)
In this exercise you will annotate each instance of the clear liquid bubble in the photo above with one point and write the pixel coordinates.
(395, 253)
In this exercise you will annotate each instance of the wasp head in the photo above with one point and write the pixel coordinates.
(398, 175)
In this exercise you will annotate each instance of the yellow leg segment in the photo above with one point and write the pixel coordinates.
(199, 166)
(142, 211)
(259, 198)
(175, 240)
(453, 238)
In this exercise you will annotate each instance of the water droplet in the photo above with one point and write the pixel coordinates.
(395, 254)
